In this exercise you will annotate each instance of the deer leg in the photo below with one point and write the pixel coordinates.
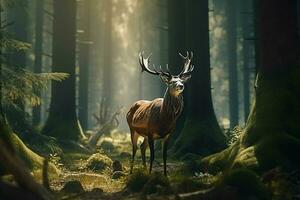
(143, 150)
(165, 148)
(134, 138)
(151, 146)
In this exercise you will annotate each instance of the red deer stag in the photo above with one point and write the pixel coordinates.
(157, 119)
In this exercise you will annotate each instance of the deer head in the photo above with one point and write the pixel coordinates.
(175, 83)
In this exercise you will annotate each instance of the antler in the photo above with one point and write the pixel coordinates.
(187, 68)
(144, 63)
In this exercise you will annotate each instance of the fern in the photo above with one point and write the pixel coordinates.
(18, 84)
(13, 3)
(21, 85)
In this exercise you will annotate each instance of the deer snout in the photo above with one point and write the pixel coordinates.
(180, 87)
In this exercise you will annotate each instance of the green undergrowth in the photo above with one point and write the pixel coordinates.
(32, 161)
(178, 181)
(195, 134)
(98, 162)
(246, 183)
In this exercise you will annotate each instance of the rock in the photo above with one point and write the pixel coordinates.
(117, 174)
(97, 190)
(73, 187)
(117, 166)
(125, 155)
(107, 146)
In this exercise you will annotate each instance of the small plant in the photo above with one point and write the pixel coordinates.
(98, 162)
(55, 159)
(186, 185)
(137, 180)
(233, 135)
(247, 183)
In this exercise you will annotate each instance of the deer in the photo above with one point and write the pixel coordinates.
(156, 119)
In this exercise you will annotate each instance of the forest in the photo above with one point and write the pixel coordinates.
(149, 99)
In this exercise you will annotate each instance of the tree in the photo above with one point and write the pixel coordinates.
(84, 63)
(107, 54)
(176, 44)
(247, 25)
(232, 62)
(62, 121)
(18, 16)
(271, 137)
(201, 133)
(38, 51)
(16, 158)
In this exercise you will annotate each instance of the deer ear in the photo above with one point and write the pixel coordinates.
(185, 77)
(164, 78)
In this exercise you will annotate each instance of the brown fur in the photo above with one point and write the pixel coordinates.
(153, 120)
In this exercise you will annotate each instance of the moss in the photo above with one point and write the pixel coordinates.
(278, 150)
(220, 161)
(202, 138)
(272, 134)
(158, 184)
(33, 161)
(186, 185)
(137, 180)
(98, 162)
(107, 146)
(140, 181)
(247, 183)
(73, 187)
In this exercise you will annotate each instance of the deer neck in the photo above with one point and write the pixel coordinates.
(172, 106)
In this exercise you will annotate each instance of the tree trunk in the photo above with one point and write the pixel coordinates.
(232, 62)
(201, 133)
(38, 51)
(176, 44)
(84, 63)
(246, 62)
(16, 159)
(107, 62)
(1, 51)
(271, 137)
(62, 121)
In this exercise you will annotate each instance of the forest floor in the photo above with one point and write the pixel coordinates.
(94, 172)
(104, 174)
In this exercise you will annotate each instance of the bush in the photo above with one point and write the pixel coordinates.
(137, 180)
(247, 183)
(187, 185)
(107, 146)
(142, 182)
(98, 162)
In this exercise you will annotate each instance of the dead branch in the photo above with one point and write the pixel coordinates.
(107, 127)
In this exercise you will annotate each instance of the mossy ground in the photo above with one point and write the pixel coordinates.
(185, 176)
(99, 183)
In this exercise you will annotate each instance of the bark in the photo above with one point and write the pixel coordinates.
(246, 31)
(62, 122)
(201, 133)
(176, 44)
(38, 51)
(17, 159)
(1, 51)
(232, 62)
(271, 137)
(105, 128)
(107, 62)
(84, 63)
